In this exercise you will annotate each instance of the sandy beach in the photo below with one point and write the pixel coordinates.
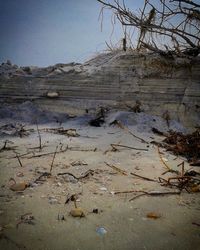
(110, 220)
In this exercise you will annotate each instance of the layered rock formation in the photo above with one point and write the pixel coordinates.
(117, 79)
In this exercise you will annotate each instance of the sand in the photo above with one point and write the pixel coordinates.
(124, 224)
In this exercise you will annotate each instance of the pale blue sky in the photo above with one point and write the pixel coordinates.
(46, 32)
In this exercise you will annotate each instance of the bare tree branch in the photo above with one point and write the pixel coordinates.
(177, 20)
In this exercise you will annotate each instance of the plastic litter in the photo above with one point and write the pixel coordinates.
(101, 231)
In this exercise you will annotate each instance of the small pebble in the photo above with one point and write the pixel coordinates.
(95, 211)
(53, 201)
(20, 174)
(77, 212)
(19, 186)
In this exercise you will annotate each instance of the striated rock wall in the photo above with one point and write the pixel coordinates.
(114, 79)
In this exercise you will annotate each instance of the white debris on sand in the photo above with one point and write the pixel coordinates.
(29, 112)
(145, 122)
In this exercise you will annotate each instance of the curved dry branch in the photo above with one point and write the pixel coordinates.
(177, 19)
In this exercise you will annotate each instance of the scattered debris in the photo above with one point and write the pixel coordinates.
(97, 122)
(75, 212)
(15, 130)
(195, 189)
(114, 146)
(100, 118)
(116, 169)
(101, 231)
(166, 117)
(136, 108)
(150, 193)
(73, 198)
(78, 163)
(183, 180)
(52, 200)
(61, 217)
(165, 164)
(61, 131)
(53, 159)
(20, 163)
(27, 218)
(85, 175)
(158, 132)
(95, 211)
(33, 155)
(39, 136)
(5, 147)
(184, 145)
(122, 126)
(196, 224)
(43, 177)
(52, 94)
(144, 178)
(20, 174)
(153, 215)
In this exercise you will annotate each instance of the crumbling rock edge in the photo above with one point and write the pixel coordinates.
(117, 80)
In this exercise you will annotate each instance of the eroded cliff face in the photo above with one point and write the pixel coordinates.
(117, 79)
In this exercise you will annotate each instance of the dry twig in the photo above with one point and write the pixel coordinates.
(53, 159)
(124, 146)
(122, 126)
(144, 178)
(20, 163)
(116, 169)
(87, 173)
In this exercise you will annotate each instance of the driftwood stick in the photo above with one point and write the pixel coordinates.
(156, 193)
(67, 173)
(137, 196)
(82, 149)
(124, 146)
(39, 136)
(144, 178)
(87, 173)
(4, 146)
(152, 193)
(44, 174)
(127, 192)
(116, 169)
(45, 154)
(164, 163)
(50, 153)
(21, 156)
(20, 163)
(122, 126)
(196, 224)
(53, 159)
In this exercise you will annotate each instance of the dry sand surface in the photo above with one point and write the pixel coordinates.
(119, 224)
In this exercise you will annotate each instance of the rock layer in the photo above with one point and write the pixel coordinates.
(117, 79)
